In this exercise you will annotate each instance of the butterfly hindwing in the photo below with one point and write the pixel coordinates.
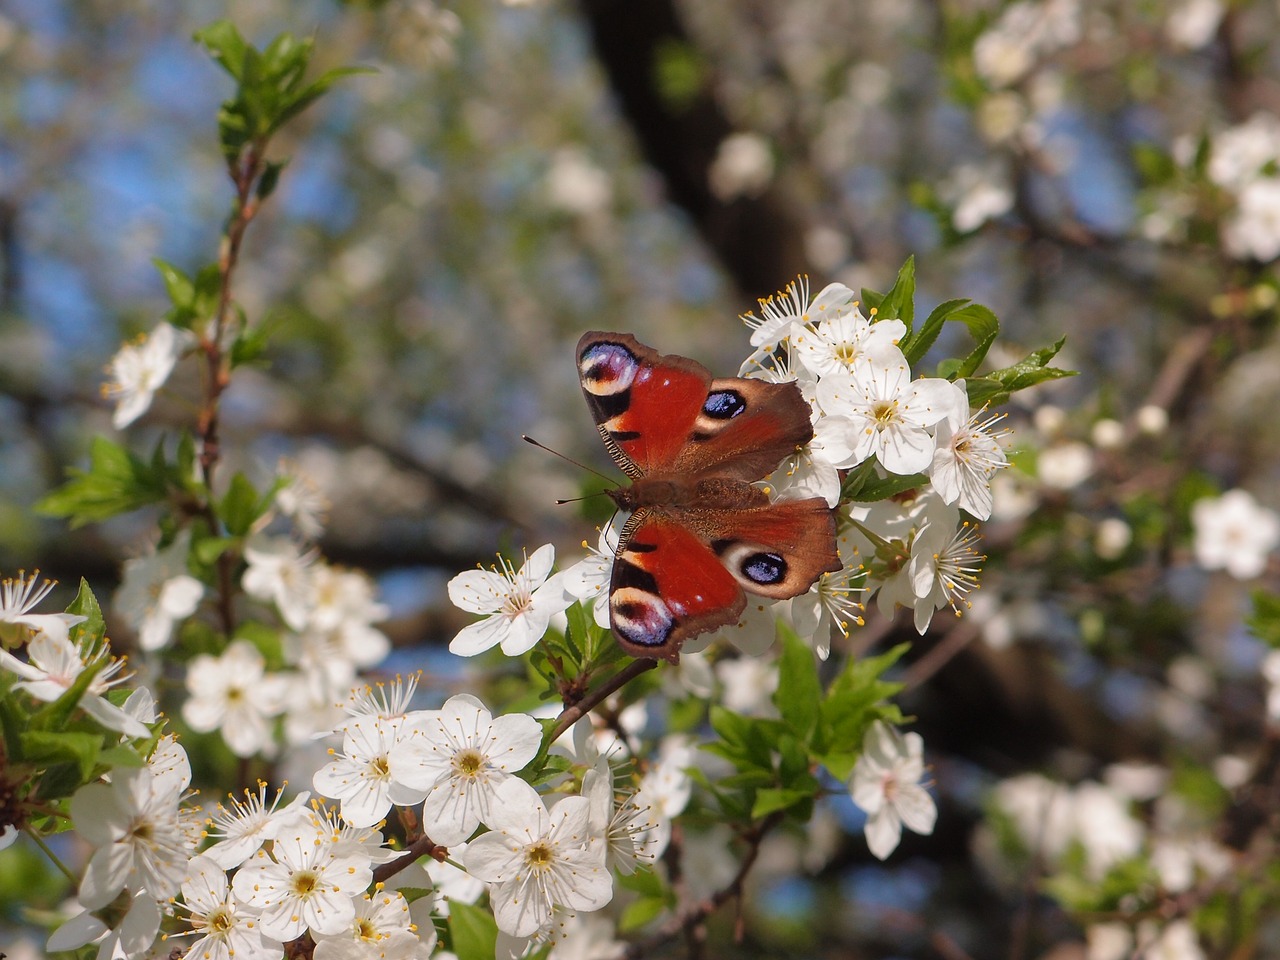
(667, 585)
(680, 572)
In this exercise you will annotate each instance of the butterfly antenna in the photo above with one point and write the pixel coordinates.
(556, 453)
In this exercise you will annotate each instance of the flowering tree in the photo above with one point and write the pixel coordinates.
(255, 781)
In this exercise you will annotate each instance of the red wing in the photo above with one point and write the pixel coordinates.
(644, 404)
(663, 414)
(667, 586)
(682, 572)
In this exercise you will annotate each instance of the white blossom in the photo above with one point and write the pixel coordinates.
(139, 369)
(886, 784)
(459, 757)
(1234, 533)
(156, 592)
(518, 606)
(535, 859)
(303, 885)
(234, 694)
(133, 825)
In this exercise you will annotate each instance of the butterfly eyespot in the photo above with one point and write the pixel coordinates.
(607, 369)
(764, 568)
(641, 617)
(724, 404)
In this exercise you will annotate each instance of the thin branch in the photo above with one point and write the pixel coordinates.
(572, 714)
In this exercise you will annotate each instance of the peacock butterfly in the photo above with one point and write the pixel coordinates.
(700, 531)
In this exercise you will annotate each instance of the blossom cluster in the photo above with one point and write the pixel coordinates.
(1096, 828)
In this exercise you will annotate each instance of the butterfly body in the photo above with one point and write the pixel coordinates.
(701, 532)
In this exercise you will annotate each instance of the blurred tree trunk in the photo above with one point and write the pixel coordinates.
(757, 238)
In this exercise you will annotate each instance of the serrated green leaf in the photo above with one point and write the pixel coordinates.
(799, 693)
(472, 931)
(85, 604)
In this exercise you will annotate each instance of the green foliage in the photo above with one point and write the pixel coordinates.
(1264, 622)
(899, 302)
(995, 387)
(473, 934)
(652, 899)
(774, 759)
(269, 90)
(194, 299)
(116, 482)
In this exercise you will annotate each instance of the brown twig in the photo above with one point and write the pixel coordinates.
(688, 923)
(575, 712)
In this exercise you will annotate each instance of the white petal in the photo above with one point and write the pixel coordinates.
(883, 831)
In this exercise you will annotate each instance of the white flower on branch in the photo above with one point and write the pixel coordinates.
(156, 592)
(518, 605)
(305, 884)
(459, 756)
(234, 693)
(139, 369)
(536, 859)
(886, 784)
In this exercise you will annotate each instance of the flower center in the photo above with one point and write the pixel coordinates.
(220, 922)
(366, 930)
(884, 413)
(468, 763)
(305, 882)
(846, 353)
(379, 768)
(539, 856)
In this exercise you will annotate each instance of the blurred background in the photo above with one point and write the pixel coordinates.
(515, 173)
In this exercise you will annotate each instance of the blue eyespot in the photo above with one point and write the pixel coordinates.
(724, 404)
(764, 568)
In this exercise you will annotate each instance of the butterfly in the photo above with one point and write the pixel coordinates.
(701, 534)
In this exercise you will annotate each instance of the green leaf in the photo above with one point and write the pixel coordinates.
(899, 302)
(915, 346)
(882, 488)
(225, 45)
(86, 605)
(772, 799)
(744, 741)
(1264, 622)
(799, 694)
(855, 698)
(241, 506)
(47, 748)
(176, 283)
(270, 178)
(116, 482)
(984, 328)
(473, 932)
(996, 386)
(313, 92)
